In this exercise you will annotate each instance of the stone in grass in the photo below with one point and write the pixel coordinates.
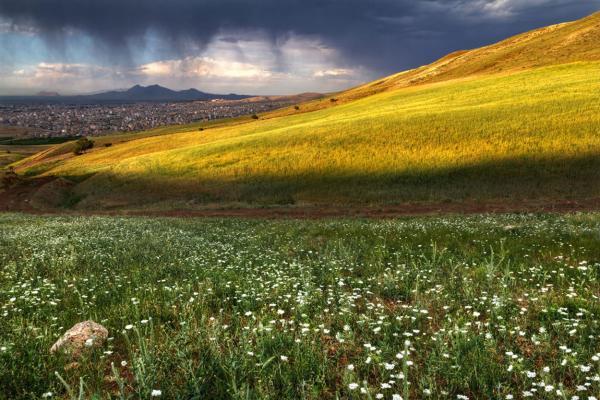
(81, 336)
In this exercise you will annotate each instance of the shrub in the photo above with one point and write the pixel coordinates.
(81, 145)
(254, 116)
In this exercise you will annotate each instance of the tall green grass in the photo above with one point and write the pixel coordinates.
(484, 307)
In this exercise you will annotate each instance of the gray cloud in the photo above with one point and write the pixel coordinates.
(382, 35)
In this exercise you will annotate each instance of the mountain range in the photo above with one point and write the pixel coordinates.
(136, 93)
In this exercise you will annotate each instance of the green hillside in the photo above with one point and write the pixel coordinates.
(515, 129)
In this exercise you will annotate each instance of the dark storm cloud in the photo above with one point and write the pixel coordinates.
(384, 35)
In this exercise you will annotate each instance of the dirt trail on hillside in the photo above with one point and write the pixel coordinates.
(18, 199)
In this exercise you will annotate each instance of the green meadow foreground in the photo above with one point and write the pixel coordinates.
(516, 121)
(479, 307)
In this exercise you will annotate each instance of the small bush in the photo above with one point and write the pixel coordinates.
(81, 145)
(107, 144)
(254, 116)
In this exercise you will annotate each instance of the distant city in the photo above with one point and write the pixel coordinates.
(48, 114)
(49, 120)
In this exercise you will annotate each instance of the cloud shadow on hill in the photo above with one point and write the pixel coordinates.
(557, 178)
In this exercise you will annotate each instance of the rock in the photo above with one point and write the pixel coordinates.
(81, 336)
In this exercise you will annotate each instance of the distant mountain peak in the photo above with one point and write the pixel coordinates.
(157, 92)
(136, 93)
(45, 93)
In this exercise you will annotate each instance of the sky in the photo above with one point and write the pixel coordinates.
(247, 46)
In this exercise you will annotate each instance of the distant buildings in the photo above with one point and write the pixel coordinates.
(94, 120)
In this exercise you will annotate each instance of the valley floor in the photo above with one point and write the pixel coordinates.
(478, 307)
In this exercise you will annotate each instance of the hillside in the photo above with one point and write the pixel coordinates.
(553, 45)
(515, 121)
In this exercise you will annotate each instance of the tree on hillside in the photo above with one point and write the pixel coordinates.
(81, 145)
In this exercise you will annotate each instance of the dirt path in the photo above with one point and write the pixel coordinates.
(17, 199)
(392, 211)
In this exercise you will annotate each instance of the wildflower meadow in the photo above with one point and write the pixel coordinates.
(456, 307)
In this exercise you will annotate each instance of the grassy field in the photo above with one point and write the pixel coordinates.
(8, 157)
(527, 135)
(483, 307)
(11, 154)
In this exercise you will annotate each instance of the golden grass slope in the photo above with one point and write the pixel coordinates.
(556, 44)
(533, 134)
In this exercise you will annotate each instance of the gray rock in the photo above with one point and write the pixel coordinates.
(82, 336)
